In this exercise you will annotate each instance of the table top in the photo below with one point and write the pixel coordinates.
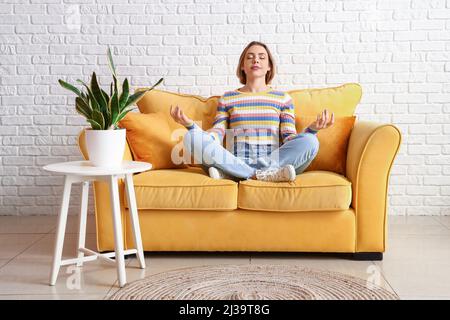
(85, 168)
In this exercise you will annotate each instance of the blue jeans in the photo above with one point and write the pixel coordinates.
(206, 151)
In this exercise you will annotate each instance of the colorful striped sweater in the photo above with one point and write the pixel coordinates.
(250, 119)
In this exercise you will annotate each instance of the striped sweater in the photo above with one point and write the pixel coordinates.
(252, 119)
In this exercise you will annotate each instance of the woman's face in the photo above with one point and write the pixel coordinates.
(256, 62)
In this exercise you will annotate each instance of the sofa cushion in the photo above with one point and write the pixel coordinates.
(311, 191)
(155, 138)
(183, 189)
(341, 100)
(201, 110)
(333, 143)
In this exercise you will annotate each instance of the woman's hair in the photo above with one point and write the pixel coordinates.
(269, 75)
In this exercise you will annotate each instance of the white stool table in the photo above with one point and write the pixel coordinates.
(84, 171)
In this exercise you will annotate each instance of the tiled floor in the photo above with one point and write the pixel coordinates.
(416, 264)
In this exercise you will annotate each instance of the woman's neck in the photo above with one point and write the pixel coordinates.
(254, 87)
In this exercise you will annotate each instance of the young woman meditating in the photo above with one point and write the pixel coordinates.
(258, 124)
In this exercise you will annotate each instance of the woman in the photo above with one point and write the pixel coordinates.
(256, 120)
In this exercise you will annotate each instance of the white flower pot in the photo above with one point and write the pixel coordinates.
(105, 147)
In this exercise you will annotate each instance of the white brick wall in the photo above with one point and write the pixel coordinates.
(398, 50)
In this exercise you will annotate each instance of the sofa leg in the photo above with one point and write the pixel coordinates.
(364, 256)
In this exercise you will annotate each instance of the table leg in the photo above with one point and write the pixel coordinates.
(118, 236)
(134, 219)
(61, 229)
(82, 221)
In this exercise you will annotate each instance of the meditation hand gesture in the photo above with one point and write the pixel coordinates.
(322, 121)
(179, 116)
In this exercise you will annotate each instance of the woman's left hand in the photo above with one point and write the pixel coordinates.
(323, 121)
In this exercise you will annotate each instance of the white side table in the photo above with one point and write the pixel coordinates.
(84, 171)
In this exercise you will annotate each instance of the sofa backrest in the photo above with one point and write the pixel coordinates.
(341, 100)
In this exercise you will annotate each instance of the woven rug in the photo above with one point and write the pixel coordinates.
(251, 282)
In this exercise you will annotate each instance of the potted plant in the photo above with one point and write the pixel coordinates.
(105, 141)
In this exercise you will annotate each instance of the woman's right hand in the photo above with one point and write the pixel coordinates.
(179, 116)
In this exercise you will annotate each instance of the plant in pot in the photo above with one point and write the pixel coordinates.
(105, 141)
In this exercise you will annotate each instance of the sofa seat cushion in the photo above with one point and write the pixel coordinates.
(311, 191)
(183, 189)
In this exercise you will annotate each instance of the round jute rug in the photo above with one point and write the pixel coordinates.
(251, 282)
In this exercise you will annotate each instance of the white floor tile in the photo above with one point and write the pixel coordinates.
(418, 265)
(44, 248)
(27, 224)
(445, 220)
(72, 224)
(415, 225)
(13, 244)
(31, 277)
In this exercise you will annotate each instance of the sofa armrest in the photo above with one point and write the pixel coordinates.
(82, 146)
(371, 152)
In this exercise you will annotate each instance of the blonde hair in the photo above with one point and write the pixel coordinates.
(269, 75)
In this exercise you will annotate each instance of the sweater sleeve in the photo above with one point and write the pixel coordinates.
(287, 119)
(221, 121)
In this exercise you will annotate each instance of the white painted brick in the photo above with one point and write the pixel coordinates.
(8, 191)
(178, 20)
(35, 191)
(397, 26)
(422, 190)
(389, 4)
(49, 181)
(423, 210)
(437, 118)
(325, 27)
(18, 181)
(437, 201)
(410, 98)
(425, 150)
(442, 159)
(44, 160)
(407, 201)
(342, 16)
(19, 201)
(424, 129)
(226, 8)
(30, 171)
(439, 14)
(424, 170)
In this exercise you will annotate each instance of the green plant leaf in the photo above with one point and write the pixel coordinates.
(91, 97)
(159, 81)
(97, 93)
(94, 125)
(124, 113)
(97, 116)
(135, 97)
(83, 108)
(111, 62)
(114, 107)
(105, 95)
(124, 96)
(108, 112)
(70, 87)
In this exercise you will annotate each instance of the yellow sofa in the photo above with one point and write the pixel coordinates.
(185, 210)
